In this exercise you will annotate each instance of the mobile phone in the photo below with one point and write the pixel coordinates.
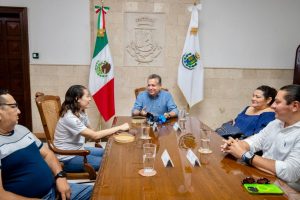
(255, 188)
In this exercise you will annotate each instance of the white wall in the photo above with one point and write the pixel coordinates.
(59, 30)
(233, 33)
(249, 33)
(227, 91)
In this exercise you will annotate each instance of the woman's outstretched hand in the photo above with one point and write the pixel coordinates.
(124, 127)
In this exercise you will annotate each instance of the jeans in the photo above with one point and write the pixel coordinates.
(78, 192)
(75, 164)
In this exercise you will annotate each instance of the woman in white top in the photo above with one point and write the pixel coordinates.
(74, 126)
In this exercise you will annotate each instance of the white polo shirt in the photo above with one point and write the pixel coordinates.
(67, 133)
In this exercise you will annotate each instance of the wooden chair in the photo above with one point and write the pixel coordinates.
(141, 89)
(49, 107)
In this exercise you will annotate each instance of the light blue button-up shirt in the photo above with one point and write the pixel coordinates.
(157, 105)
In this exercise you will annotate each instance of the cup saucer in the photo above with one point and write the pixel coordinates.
(143, 173)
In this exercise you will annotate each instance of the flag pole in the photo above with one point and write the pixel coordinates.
(101, 120)
(188, 108)
(190, 70)
(101, 79)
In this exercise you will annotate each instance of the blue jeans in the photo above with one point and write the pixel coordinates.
(78, 192)
(75, 164)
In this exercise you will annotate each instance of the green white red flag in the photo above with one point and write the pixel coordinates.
(101, 79)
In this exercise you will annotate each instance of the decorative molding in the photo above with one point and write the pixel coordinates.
(144, 39)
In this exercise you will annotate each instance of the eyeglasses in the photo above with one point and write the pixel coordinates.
(251, 180)
(12, 105)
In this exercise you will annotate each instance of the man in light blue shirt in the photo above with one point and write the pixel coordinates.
(154, 100)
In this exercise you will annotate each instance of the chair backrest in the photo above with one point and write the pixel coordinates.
(141, 89)
(49, 107)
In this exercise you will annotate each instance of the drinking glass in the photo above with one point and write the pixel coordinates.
(182, 118)
(145, 130)
(205, 141)
(149, 153)
(204, 158)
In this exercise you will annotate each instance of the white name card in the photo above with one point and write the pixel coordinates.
(165, 157)
(193, 158)
(176, 127)
(154, 127)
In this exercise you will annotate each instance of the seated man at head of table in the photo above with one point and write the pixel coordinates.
(279, 140)
(155, 100)
(28, 169)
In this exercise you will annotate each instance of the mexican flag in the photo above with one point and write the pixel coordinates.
(101, 80)
(190, 71)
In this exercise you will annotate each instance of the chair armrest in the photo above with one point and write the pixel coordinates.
(70, 152)
(230, 122)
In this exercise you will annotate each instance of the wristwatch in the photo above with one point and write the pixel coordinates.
(168, 115)
(61, 174)
(247, 157)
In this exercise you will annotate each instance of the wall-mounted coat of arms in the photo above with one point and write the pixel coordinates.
(144, 42)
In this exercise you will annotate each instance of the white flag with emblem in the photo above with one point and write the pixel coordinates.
(190, 71)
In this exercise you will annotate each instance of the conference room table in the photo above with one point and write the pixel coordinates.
(218, 177)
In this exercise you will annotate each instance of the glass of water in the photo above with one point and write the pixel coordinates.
(182, 118)
(145, 130)
(149, 153)
(205, 141)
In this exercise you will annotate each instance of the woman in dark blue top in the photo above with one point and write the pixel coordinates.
(251, 124)
(255, 117)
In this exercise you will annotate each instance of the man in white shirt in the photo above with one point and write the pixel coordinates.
(279, 140)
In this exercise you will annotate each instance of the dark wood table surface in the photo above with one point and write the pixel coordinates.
(220, 178)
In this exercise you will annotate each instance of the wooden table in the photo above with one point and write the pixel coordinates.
(220, 178)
